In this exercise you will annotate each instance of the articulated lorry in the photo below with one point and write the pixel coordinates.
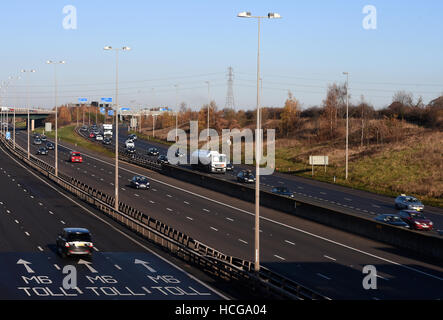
(210, 161)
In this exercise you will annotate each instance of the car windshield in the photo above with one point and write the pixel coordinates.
(76, 154)
(411, 199)
(417, 215)
(142, 180)
(79, 237)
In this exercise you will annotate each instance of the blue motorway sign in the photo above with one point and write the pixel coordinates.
(106, 99)
(110, 112)
(102, 110)
(125, 109)
(82, 100)
(8, 135)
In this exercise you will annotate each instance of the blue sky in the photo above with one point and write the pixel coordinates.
(190, 42)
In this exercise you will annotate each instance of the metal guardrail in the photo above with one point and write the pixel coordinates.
(209, 259)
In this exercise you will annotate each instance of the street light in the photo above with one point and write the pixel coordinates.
(258, 142)
(55, 63)
(347, 122)
(108, 48)
(27, 106)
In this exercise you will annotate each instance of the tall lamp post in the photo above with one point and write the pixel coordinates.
(27, 106)
(108, 48)
(258, 143)
(347, 123)
(55, 63)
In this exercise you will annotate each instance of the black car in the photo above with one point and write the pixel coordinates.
(229, 167)
(74, 241)
(42, 151)
(283, 191)
(163, 159)
(392, 219)
(140, 182)
(43, 138)
(245, 176)
(37, 141)
(132, 137)
(153, 152)
(84, 128)
(130, 150)
(107, 141)
(50, 146)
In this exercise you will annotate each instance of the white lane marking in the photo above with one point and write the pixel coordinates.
(7, 211)
(169, 196)
(190, 218)
(135, 194)
(51, 212)
(214, 229)
(151, 201)
(230, 219)
(169, 209)
(241, 240)
(57, 267)
(123, 189)
(323, 276)
(62, 222)
(278, 257)
(27, 233)
(117, 266)
(95, 248)
(347, 199)
(40, 248)
(330, 258)
(273, 221)
(16, 221)
(289, 242)
(186, 202)
(206, 210)
(375, 206)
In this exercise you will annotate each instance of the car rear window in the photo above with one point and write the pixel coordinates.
(79, 237)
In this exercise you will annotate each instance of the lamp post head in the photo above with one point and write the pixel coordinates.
(107, 48)
(244, 14)
(273, 15)
(126, 49)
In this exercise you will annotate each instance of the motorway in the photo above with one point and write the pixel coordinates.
(33, 213)
(321, 258)
(361, 202)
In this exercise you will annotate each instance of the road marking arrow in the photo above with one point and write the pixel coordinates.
(145, 264)
(88, 265)
(25, 264)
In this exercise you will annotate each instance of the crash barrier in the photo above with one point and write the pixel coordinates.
(327, 213)
(265, 283)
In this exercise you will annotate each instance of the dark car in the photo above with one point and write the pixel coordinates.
(132, 137)
(43, 138)
(163, 159)
(130, 150)
(84, 128)
(74, 241)
(229, 167)
(50, 146)
(245, 176)
(392, 219)
(140, 182)
(153, 152)
(107, 141)
(283, 191)
(37, 141)
(42, 151)
(416, 220)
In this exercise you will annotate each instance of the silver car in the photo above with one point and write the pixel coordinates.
(409, 203)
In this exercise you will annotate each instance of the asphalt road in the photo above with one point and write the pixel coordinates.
(123, 266)
(361, 202)
(319, 257)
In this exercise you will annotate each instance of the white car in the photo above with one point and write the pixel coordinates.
(130, 144)
(99, 137)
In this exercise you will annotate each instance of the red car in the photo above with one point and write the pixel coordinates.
(416, 220)
(75, 157)
(91, 135)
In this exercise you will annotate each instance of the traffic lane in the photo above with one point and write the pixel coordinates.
(42, 221)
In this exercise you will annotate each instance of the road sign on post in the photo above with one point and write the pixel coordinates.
(318, 161)
(82, 100)
(106, 99)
